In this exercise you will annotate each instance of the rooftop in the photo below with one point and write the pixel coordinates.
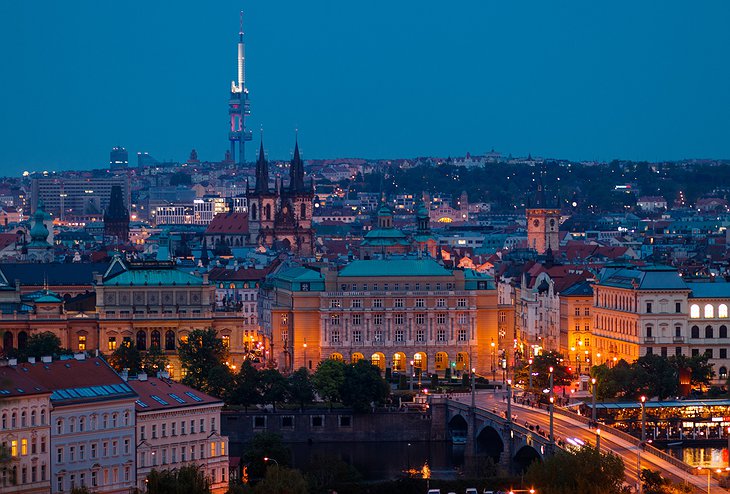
(394, 267)
(163, 394)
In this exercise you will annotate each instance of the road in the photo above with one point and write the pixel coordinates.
(566, 427)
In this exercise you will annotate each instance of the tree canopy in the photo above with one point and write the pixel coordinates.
(190, 479)
(202, 356)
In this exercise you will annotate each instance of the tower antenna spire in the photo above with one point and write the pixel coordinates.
(240, 32)
(238, 104)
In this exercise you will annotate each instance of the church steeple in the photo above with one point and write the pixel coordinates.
(296, 171)
(262, 171)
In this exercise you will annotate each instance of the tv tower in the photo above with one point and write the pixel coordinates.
(238, 105)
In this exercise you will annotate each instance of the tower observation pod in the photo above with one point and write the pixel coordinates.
(238, 105)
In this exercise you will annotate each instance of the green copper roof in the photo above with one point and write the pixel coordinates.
(385, 233)
(385, 210)
(154, 277)
(394, 267)
(299, 273)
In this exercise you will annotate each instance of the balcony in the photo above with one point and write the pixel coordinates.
(649, 339)
(678, 339)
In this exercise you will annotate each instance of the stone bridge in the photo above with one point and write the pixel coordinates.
(487, 433)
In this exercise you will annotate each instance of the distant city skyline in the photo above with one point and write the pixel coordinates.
(378, 80)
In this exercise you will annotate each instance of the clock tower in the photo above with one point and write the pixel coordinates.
(543, 221)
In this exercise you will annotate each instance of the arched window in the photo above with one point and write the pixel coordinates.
(141, 340)
(23, 419)
(253, 211)
(709, 311)
(709, 332)
(722, 311)
(649, 331)
(5, 421)
(14, 420)
(694, 311)
(303, 211)
(126, 418)
(59, 426)
(155, 340)
(723, 331)
(82, 424)
(43, 417)
(723, 372)
(695, 332)
(170, 340)
(33, 418)
(22, 340)
(267, 212)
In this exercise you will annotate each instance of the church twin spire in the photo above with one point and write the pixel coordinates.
(296, 171)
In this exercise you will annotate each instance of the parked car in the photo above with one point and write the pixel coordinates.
(434, 491)
(471, 490)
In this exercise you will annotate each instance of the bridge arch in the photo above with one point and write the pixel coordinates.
(458, 427)
(525, 456)
(489, 443)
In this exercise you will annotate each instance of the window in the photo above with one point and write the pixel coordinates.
(357, 336)
(709, 311)
(695, 352)
(722, 311)
(421, 319)
(23, 447)
(678, 331)
(420, 335)
(678, 350)
(677, 307)
(335, 336)
(357, 319)
(461, 335)
(648, 331)
(398, 302)
(440, 302)
(93, 449)
(378, 335)
(378, 319)
(59, 426)
(577, 311)
(82, 424)
(104, 449)
(141, 340)
(112, 343)
(648, 307)
(441, 335)
(587, 311)
(173, 429)
(695, 332)
(398, 319)
(399, 335)
(154, 431)
(164, 429)
(461, 302)
(335, 303)
(377, 303)
(723, 372)
(694, 311)
(723, 331)
(212, 450)
(708, 332)
(463, 319)
(723, 352)
(420, 303)
(170, 340)
(82, 451)
(126, 446)
(441, 318)
(335, 319)
(708, 353)
(59, 454)
(141, 432)
(356, 303)
(82, 343)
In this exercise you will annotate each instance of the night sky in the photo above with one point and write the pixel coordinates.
(571, 79)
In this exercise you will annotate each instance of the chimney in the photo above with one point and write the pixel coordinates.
(31, 360)
(46, 359)
(142, 376)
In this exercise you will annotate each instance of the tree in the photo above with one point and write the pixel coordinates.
(282, 480)
(202, 352)
(661, 378)
(653, 483)
(541, 371)
(220, 382)
(126, 356)
(42, 344)
(264, 445)
(325, 473)
(247, 385)
(591, 472)
(154, 360)
(328, 380)
(699, 366)
(190, 479)
(363, 386)
(272, 386)
(299, 387)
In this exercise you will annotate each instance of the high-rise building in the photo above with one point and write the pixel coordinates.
(118, 158)
(66, 198)
(238, 105)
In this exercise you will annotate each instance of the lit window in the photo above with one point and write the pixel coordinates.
(694, 311)
(112, 344)
(82, 343)
(709, 311)
(722, 311)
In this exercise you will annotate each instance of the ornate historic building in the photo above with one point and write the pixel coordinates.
(543, 221)
(396, 313)
(116, 217)
(282, 218)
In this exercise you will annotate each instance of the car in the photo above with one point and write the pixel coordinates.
(434, 491)
(471, 490)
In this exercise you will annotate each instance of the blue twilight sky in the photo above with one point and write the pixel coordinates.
(378, 78)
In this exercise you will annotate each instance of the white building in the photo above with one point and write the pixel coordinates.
(25, 432)
(177, 426)
(92, 424)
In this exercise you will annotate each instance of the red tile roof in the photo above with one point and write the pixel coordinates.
(16, 382)
(229, 223)
(170, 394)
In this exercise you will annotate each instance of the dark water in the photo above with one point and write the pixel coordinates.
(386, 460)
(699, 456)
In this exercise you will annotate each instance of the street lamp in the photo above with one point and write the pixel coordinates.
(709, 473)
(266, 458)
(494, 370)
(473, 388)
(305, 353)
(598, 439)
(530, 369)
(643, 418)
(552, 402)
(410, 387)
(509, 400)
(593, 408)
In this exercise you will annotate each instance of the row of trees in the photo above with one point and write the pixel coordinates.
(650, 375)
(204, 358)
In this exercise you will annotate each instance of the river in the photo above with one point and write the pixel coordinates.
(701, 456)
